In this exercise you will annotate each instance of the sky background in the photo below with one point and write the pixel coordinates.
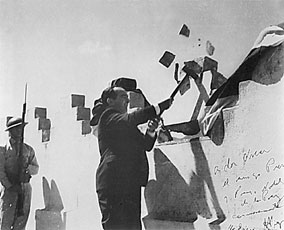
(69, 47)
(65, 47)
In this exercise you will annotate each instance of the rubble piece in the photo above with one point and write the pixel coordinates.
(40, 112)
(184, 31)
(44, 124)
(207, 63)
(185, 86)
(176, 73)
(45, 136)
(136, 100)
(86, 128)
(83, 113)
(194, 66)
(209, 48)
(217, 80)
(167, 59)
(77, 100)
(49, 220)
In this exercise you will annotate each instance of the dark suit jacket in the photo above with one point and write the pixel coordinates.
(123, 149)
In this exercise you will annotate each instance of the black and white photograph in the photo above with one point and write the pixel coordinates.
(141, 114)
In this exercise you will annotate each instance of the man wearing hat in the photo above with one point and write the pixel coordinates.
(123, 167)
(12, 183)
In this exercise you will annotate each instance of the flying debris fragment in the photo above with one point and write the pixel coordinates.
(206, 63)
(167, 59)
(176, 72)
(194, 66)
(184, 31)
(210, 48)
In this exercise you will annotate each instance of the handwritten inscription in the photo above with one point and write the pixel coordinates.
(253, 184)
(249, 155)
(272, 165)
(270, 223)
(226, 167)
(239, 226)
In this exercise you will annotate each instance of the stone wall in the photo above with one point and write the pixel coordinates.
(236, 185)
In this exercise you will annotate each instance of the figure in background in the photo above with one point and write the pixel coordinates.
(123, 167)
(15, 185)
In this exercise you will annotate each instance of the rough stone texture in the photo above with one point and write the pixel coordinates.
(40, 112)
(241, 179)
(77, 100)
(49, 220)
(83, 113)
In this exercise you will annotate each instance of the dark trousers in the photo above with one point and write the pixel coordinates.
(120, 210)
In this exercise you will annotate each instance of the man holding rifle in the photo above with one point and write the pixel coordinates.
(123, 167)
(17, 164)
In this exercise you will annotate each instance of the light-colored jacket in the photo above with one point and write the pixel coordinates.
(8, 162)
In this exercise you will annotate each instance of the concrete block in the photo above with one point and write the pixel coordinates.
(49, 220)
(86, 128)
(45, 136)
(237, 184)
(77, 100)
(167, 59)
(44, 124)
(40, 112)
(136, 100)
(83, 113)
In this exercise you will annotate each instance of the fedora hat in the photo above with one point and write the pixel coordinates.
(14, 122)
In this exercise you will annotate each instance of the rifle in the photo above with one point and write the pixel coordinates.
(21, 163)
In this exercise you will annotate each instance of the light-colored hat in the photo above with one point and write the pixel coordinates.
(14, 122)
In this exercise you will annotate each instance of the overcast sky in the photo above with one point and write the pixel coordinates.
(62, 47)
